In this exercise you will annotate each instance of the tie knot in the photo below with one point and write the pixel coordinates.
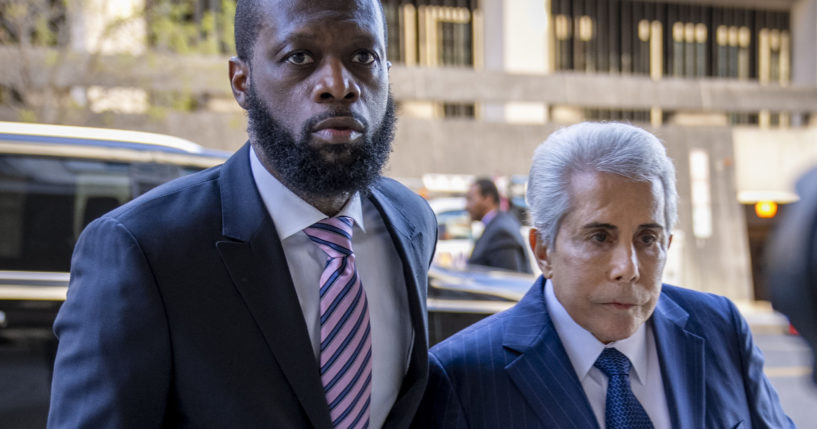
(333, 235)
(612, 362)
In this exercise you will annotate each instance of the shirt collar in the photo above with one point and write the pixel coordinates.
(489, 217)
(583, 348)
(289, 212)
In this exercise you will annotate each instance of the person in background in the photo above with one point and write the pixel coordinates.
(285, 288)
(792, 263)
(598, 341)
(501, 244)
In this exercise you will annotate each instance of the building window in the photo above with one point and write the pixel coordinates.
(678, 40)
(442, 33)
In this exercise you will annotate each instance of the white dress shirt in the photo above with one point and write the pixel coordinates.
(378, 265)
(583, 349)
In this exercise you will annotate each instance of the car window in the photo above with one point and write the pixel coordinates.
(45, 202)
(454, 225)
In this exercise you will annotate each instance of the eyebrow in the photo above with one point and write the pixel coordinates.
(305, 38)
(593, 225)
(651, 226)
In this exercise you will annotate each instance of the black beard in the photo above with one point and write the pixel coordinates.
(326, 170)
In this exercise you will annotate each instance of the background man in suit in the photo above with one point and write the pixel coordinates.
(501, 244)
(212, 301)
(598, 341)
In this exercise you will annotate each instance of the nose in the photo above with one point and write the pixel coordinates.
(624, 264)
(335, 83)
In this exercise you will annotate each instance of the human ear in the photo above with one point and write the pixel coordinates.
(240, 81)
(540, 251)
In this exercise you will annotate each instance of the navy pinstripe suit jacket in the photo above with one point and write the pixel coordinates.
(511, 371)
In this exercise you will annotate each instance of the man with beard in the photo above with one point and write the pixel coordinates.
(285, 288)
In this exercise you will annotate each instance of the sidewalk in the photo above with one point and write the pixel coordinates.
(762, 318)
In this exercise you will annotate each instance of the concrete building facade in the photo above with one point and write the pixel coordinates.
(730, 86)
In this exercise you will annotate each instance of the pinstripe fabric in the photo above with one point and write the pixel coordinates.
(506, 371)
(346, 343)
(511, 371)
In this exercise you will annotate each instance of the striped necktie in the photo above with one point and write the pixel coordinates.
(623, 411)
(346, 342)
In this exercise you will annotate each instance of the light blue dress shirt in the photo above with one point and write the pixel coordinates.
(583, 349)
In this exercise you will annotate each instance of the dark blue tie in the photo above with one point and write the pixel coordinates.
(623, 410)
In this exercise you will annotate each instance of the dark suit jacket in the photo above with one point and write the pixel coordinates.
(511, 370)
(181, 312)
(791, 272)
(501, 245)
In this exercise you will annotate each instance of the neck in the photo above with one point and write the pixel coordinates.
(329, 206)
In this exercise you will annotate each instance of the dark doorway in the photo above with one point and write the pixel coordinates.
(758, 231)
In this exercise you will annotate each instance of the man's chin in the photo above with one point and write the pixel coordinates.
(335, 153)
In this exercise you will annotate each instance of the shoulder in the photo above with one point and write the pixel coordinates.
(487, 337)
(479, 342)
(176, 202)
(504, 230)
(703, 310)
(507, 217)
(694, 300)
(394, 190)
(393, 193)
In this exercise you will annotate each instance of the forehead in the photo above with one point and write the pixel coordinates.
(287, 18)
(610, 198)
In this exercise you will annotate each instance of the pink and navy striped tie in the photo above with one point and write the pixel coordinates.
(346, 341)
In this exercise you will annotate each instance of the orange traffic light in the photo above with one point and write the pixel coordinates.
(766, 209)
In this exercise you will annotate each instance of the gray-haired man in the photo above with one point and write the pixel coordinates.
(598, 341)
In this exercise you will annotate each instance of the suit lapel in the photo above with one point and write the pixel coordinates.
(480, 245)
(543, 374)
(681, 354)
(542, 371)
(405, 238)
(257, 265)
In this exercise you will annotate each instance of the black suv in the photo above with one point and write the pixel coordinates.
(54, 180)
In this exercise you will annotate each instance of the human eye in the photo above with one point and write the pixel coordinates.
(599, 236)
(364, 57)
(299, 58)
(648, 239)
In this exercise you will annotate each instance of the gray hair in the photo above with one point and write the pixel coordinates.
(615, 148)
